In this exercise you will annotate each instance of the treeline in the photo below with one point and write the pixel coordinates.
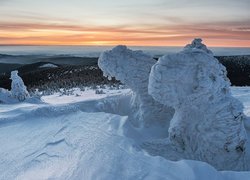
(238, 69)
(70, 76)
(64, 77)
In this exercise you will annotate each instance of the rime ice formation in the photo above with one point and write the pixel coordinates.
(18, 89)
(208, 121)
(132, 68)
(196, 44)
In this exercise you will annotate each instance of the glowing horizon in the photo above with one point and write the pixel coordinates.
(141, 23)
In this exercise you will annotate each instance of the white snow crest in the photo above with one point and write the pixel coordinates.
(208, 121)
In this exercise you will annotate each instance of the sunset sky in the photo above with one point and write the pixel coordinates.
(129, 22)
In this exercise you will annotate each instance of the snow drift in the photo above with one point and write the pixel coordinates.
(208, 123)
(74, 141)
(132, 68)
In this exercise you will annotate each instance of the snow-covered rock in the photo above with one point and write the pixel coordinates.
(18, 89)
(132, 68)
(208, 123)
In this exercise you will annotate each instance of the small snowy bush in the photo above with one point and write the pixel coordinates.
(99, 91)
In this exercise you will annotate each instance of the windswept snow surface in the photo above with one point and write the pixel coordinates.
(75, 140)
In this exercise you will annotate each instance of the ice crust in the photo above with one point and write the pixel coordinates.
(132, 68)
(208, 123)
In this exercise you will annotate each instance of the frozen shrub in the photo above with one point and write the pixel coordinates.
(99, 91)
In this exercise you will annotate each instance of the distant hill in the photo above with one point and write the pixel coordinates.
(4, 68)
(35, 67)
(57, 59)
(69, 76)
(63, 76)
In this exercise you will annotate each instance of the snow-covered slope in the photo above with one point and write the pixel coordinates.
(75, 140)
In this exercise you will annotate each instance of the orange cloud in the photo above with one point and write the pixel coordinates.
(59, 34)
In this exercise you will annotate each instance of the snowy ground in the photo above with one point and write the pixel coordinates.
(68, 137)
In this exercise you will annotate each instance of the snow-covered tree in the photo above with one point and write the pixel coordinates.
(132, 68)
(18, 89)
(208, 122)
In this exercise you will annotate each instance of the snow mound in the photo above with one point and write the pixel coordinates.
(132, 68)
(208, 123)
(48, 65)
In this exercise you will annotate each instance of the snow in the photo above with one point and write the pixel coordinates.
(5, 96)
(197, 45)
(74, 140)
(79, 96)
(195, 84)
(132, 68)
(123, 133)
(48, 65)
